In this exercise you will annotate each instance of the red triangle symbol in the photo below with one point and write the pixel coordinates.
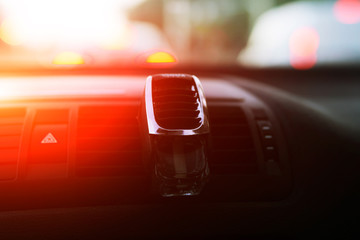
(49, 138)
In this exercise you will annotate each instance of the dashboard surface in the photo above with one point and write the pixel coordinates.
(297, 183)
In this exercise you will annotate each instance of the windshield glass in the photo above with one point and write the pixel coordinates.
(112, 33)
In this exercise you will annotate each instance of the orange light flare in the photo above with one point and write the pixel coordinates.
(347, 11)
(304, 43)
(158, 59)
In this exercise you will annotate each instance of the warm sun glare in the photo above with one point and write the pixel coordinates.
(64, 23)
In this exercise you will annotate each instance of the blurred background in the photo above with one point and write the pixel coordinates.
(261, 33)
(206, 31)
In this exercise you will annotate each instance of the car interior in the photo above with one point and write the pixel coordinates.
(191, 135)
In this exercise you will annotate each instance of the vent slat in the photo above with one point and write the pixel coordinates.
(9, 141)
(113, 111)
(106, 144)
(99, 121)
(230, 142)
(180, 123)
(108, 131)
(174, 98)
(233, 156)
(12, 112)
(11, 130)
(110, 171)
(130, 158)
(173, 92)
(226, 121)
(234, 170)
(9, 155)
(227, 111)
(11, 121)
(190, 106)
(177, 113)
(232, 130)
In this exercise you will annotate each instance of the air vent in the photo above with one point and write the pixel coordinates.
(233, 151)
(11, 125)
(176, 102)
(108, 141)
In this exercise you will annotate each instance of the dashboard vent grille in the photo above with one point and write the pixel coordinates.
(233, 151)
(176, 103)
(11, 125)
(108, 141)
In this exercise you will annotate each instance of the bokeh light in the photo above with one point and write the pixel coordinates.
(304, 43)
(347, 11)
(161, 57)
(8, 33)
(68, 58)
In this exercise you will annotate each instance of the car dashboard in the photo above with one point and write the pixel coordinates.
(71, 160)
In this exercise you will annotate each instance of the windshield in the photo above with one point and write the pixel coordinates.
(118, 33)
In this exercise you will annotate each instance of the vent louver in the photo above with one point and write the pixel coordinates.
(11, 125)
(233, 151)
(176, 103)
(108, 141)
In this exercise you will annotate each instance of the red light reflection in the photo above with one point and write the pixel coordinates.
(347, 11)
(303, 44)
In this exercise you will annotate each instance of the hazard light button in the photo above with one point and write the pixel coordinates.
(49, 144)
(49, 138)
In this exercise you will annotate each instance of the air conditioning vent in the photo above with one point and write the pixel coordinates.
(11, 125)
(176, 103)
(108, 141)
(233, 151)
